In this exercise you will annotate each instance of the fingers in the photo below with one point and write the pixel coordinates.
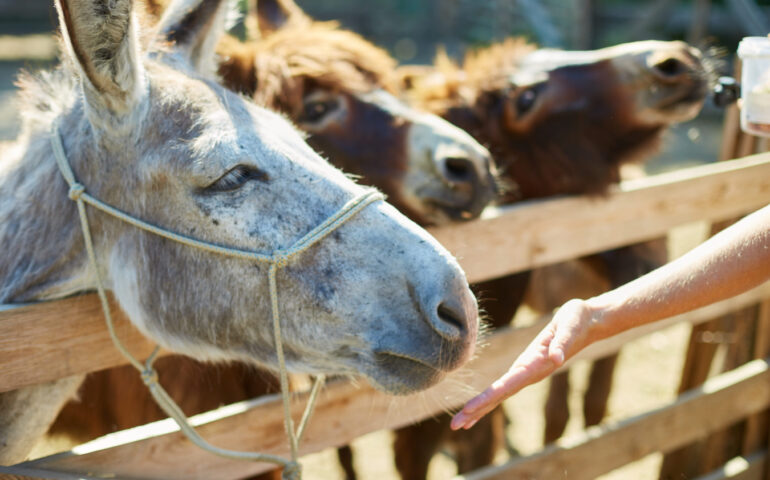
(571, 324)
(537, 361)
(518, 377)
(473, 411)
(556, 354)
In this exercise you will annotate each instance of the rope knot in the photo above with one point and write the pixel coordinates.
(76, 191)
(280, 259)
(149, 377)
(291, 471)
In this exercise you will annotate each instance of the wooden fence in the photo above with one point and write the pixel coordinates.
(505, 241)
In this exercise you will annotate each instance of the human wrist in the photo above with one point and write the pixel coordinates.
(601, 311)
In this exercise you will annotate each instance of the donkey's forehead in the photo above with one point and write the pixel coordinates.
(220, 126)
(548, 59)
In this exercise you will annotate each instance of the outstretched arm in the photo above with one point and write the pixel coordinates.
(729, 263)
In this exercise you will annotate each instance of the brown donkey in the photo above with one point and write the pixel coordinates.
(148, 134)
(556, 123)
(338, 88)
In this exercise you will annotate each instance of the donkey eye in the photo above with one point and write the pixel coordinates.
(525, 100)
(315, 110)
(236, 178)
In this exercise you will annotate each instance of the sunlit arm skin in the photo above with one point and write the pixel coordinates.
(731, 262)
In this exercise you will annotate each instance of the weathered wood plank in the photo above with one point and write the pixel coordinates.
(756, 426)
(20, 473)
(517, 239)
(751, 467)
(52, 340)
(538, 233)
(39, 46)
(344, 412)
(721, 401)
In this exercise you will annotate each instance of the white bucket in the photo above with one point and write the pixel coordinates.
(755, 85)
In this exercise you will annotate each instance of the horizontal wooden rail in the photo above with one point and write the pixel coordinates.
(720, 402)
(36, 47)
(344, 412)
(751, 467)
(530, 235)
(51, 340)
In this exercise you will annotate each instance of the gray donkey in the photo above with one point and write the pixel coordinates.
(149, 135)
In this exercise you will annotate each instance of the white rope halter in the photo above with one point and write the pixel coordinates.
(278, 259)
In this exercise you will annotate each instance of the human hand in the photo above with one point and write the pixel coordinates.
(568, 332)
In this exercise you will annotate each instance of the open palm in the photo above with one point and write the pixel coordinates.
(568, 332)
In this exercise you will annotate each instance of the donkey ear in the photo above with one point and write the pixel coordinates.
(101, 38)
(276, 14)
(195, 27)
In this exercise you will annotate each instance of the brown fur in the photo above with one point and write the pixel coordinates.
(286, 67)
(479, 98)
(278, 70)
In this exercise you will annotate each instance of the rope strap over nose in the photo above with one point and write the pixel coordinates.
(277, 260)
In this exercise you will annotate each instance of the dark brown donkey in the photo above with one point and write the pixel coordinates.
(556, 123)
(339, 89)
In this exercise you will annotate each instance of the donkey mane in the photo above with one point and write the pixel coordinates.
(488, 67)
(277, 70)
(482, 69)
(43, 95)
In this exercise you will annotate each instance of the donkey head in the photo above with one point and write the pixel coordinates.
(155, 139)
(591, 111)
(561, 122)
(337, 87)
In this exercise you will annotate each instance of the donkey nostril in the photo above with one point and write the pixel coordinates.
(458, 169)
(670, 67)
(452, 317)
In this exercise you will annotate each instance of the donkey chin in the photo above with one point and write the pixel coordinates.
(401, 374)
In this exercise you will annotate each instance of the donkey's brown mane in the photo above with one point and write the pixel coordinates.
(482, 69)
(490, 67)
(277, 70)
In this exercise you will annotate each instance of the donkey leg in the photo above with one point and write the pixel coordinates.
(556, 407)
(500, 298)
(27, 413)
(477, 447)
(598, 392)
(416, 444)
(345, 456)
